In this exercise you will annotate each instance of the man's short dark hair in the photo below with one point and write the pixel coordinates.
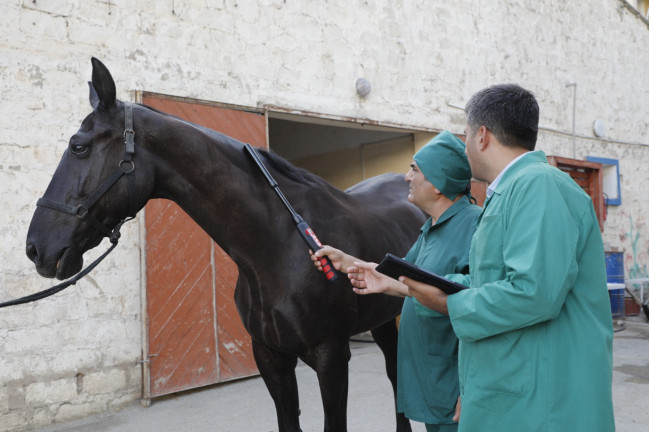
(508, 111)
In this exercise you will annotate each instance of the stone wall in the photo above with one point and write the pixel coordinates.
(76, 353)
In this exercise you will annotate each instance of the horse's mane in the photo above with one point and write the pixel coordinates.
(283, 166)
(289, 170)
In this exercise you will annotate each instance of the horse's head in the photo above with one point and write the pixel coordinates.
(95, 187)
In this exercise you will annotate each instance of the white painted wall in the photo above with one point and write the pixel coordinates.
(76, 353)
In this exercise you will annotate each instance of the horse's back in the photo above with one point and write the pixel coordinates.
(388, 221)
(386, 194)
(383, 183)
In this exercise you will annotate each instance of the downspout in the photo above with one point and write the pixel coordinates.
(574, 117)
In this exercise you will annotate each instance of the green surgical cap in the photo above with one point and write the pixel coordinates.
(443, 162)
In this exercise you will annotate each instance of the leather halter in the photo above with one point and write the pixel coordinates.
(126, 167)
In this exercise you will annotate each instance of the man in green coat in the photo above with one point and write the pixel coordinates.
(427, 377)
(535, 328)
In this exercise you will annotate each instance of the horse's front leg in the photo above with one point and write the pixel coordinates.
(331, 363)
(386, 337)
(278, 373)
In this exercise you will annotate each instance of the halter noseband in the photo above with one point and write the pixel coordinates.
(126, 167)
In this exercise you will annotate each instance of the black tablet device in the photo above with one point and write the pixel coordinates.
(395, 267)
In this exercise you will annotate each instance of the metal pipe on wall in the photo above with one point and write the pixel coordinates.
(574, 117)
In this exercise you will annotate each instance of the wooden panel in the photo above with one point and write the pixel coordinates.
(235, 349)
(245, 126)
(195, 335)
(180, 301)
(588, 175)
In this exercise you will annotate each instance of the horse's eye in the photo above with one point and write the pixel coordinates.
(79, 150)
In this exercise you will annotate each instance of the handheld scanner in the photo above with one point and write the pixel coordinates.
(303, 228)
(312, 240)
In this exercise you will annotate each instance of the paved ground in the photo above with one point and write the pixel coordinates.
(631, 376)
(245, 406)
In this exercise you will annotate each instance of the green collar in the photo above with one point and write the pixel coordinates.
(454, 209)
(527, 160)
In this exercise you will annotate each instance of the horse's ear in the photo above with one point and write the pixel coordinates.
(94, 98)
(103, 86)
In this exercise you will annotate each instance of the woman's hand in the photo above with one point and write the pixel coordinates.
(339, 259)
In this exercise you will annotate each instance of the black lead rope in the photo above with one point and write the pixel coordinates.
(60, 287)
(126, 167)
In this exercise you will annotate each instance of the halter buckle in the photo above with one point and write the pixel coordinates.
(82, 212)
(129, 141)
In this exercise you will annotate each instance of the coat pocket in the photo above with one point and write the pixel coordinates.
(504, 363)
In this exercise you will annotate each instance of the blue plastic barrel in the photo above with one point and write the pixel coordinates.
(615, 279)
(615, 267)
(616, 294)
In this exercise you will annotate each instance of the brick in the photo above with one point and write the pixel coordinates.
(104, 382)
(45, 393)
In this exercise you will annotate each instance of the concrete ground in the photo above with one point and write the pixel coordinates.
(244, 405)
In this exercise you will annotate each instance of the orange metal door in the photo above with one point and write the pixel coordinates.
(195, 336)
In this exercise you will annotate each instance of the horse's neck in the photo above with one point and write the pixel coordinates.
(208, 176)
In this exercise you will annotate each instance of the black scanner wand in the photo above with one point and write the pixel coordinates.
(303, 228)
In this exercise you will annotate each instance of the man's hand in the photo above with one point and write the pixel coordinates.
(428, 295)
(366, 280)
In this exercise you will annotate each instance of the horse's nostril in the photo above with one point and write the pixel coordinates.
(31, 251)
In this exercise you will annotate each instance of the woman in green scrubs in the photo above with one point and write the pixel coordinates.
(427, 380)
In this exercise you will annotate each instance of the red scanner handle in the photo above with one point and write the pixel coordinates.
(312, 240)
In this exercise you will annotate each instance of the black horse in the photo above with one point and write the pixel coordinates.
(125, 154)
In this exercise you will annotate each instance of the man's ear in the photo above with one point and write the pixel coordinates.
(485, 138)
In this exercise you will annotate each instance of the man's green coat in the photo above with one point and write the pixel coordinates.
(535, 330)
